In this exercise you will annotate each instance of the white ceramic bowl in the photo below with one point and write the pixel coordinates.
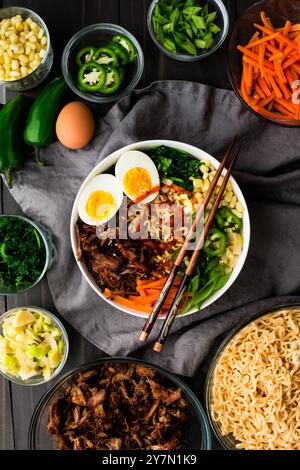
(195, 152)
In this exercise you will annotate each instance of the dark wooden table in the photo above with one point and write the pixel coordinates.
(64, 18)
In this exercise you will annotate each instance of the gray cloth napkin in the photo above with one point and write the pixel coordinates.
(268, 171)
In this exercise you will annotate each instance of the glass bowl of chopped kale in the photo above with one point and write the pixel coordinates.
(26, 252)
(188, 30)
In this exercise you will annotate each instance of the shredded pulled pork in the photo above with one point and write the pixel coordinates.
(115, 263)
(119, 406)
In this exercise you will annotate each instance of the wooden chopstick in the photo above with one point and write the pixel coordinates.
(168, 284)
(167, 325)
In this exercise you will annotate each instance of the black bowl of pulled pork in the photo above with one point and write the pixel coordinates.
(119, 404)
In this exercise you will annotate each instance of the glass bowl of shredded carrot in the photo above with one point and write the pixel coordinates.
(263, 61)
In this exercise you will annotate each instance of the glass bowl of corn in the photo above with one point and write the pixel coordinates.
(26, 55)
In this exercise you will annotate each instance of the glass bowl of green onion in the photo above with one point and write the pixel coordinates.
(26, 253)
(188, 30)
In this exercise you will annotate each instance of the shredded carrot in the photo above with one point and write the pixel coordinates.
(261, 59)
(292, 60)
(283, 110)
(266, 21)
(277, 56)
(286, 104)
(271, 65)
(264, 86)
(275, 87)
(263, 103)
(262, 40)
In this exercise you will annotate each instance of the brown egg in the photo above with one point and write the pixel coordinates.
(75, 125)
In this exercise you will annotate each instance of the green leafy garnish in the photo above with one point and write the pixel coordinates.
(22, 254)
(185, 25)
(176, 165)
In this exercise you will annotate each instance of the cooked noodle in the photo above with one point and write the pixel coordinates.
(256, 384)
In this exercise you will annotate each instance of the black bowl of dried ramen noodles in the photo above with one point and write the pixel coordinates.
(253, 385)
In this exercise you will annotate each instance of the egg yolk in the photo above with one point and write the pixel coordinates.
(137, 181)
(100, 205)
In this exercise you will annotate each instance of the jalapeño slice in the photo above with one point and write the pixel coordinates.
(121, 53)
(91, 76)
(84, 55)
(105, 56)
(112, 82)
(127, 44)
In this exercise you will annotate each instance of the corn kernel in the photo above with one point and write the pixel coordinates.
(14, 64)
(24, 71)
(13, 38)
(34, 26)
(228, 196)
(41, 33)
(6, 23)
(239, 207)
(42, 53)
(197, 183)
(23, 58)
(44, 41)
(205, 185)
(33, 39)
(233, 202)
(220, 181)
(19, 26)
(15, 74)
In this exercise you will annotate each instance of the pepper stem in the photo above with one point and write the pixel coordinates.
(9, 176)
(39, 161)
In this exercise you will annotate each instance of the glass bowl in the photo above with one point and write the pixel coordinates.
(278, 11)
(50, 250)
(41, 72)
(38, 380)
(196, 427)
(228, 442)
(98, 35)
(223, 23)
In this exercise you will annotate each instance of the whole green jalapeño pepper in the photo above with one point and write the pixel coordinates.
(12, 148)
(40, 125)
(215, 243)
(225, 218)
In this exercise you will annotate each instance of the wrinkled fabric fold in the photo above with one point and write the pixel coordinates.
(268, 171)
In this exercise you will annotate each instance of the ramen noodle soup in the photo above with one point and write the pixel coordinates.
(256, 384)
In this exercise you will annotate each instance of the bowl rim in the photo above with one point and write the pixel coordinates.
(109, 27)
(210, 373)
(36, 17)
(229, 74)
(104, 164)
(47, 250)
(59, 324)
(187, 57)
(206, 433)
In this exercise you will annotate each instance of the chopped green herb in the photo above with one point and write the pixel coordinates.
(185, 25)
(176, 165)
(22, 254)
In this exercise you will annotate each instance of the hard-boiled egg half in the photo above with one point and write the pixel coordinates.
(138, 176)
(100, 200)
